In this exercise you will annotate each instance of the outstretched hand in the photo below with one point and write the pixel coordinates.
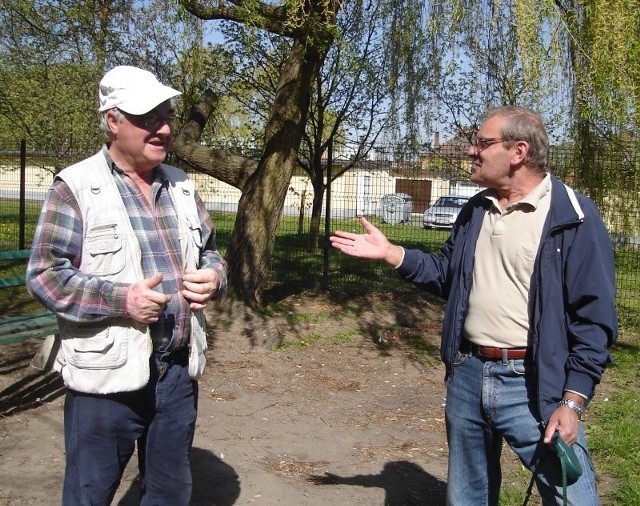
(324, 479)
(373, 244)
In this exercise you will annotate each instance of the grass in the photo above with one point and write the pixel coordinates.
(10, 222)
(612, 421)
(314, 337)
(612, 425)
(614, 428)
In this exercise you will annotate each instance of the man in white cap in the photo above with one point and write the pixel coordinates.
(125, 255)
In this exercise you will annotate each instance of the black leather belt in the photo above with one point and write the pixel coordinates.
(493, 353)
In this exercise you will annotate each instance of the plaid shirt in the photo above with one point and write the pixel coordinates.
(54, 279)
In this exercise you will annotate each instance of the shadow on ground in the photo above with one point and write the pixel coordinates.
(214, 482)
(404, 483)
(25, 387)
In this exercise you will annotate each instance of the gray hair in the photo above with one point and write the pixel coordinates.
(104, 126)
(522, 124)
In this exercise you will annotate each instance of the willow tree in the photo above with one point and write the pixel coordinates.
(574, 61)
(604, 47)
(604, 51)
(311, 28)
(264, 184)
(497, 53)
(350, 98)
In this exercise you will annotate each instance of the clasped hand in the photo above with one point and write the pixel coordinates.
(144, 304)
(200, 286)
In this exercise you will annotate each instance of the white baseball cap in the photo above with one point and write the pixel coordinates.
(133, 90)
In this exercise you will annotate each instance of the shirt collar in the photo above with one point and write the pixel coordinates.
(532, 199)
(538, 193)
(157, 172)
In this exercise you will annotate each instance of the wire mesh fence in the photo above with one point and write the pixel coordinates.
(413, 199)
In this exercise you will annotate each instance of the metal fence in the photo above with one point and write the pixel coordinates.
(393, 191)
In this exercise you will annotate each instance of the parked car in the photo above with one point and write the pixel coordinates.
(444, 212)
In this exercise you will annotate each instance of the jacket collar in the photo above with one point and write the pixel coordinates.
(565, 206)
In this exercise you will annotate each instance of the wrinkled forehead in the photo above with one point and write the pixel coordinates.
(491, 127)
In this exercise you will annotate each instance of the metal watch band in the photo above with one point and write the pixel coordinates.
(579, 410)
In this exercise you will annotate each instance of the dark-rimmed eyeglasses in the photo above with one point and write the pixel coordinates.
(151, 121)
(482, 143)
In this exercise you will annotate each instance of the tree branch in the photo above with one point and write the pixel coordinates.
(260, 15)
(232, 169)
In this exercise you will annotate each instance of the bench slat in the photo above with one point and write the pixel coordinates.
(15, 281)
(8, 321)
(29, 334)
(21, 254)
(19, 328)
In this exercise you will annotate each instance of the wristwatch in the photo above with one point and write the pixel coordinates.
(578, 408)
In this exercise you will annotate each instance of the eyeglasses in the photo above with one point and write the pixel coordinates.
(481, 143)
(150, 121)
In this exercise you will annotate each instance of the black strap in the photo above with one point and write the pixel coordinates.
(564, 486)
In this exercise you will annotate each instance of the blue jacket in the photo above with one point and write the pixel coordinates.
(572, 311)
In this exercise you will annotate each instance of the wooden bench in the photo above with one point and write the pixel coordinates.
(15, 329)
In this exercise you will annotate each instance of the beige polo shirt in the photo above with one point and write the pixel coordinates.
(504, 257)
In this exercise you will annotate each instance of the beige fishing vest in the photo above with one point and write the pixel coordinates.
(113, 356)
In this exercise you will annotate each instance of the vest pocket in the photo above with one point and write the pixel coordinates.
(100, 351)
(105, 246)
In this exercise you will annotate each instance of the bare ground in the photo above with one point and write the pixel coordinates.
(347, 410)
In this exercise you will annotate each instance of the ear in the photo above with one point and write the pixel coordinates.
(520, 152)
(112, 122)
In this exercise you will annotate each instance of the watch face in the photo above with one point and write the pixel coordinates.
(577, 408)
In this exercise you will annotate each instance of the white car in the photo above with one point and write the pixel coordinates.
(444, 212)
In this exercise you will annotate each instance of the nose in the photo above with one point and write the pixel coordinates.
(165, 127)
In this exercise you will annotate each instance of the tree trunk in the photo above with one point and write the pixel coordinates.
(316, 215)
(303, 199)
(232, 169)
(264, 185)
(260, 208)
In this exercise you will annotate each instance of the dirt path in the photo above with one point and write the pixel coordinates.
(347, 411)
(333, 399)
(268, 422)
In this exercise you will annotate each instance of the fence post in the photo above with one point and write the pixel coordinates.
(327, 218)
(23, 193)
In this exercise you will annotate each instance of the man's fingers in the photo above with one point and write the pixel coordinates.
(200, 286)
(152, 295)
(153, 281)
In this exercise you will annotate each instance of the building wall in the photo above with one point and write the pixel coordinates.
(355, 193)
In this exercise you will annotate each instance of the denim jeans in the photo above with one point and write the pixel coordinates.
(491, 401)
(101, 432)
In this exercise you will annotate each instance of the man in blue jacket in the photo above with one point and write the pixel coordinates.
(528, 275)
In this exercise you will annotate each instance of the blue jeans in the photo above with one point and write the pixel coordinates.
(489, 401)
(101, 432)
